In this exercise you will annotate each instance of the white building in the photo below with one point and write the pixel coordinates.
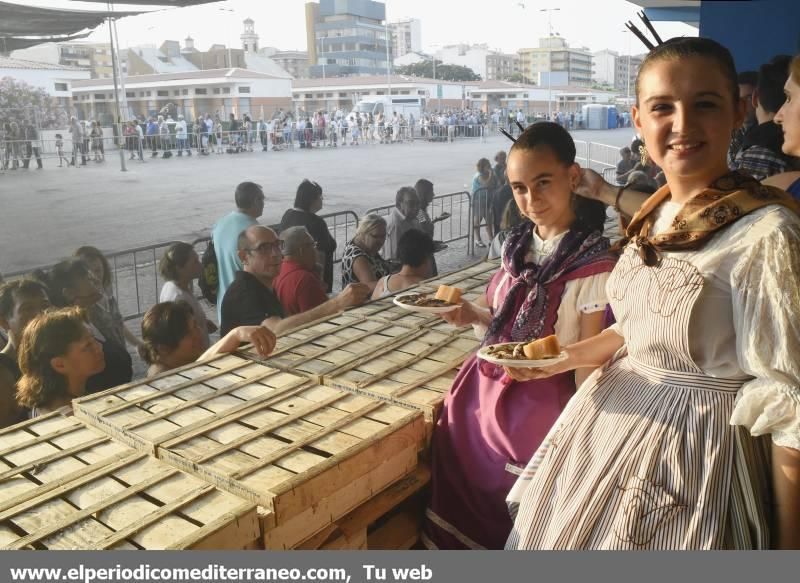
(406, 36)
(472, 56)
(57, 80)
(604, 67)
(191, 93)
(343, 92)
(411, 59)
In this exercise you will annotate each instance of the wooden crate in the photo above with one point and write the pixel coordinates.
(308, 457)
(418, 373)
(375, 518)
(68, 486)
(144, 413)
(481, 270)
(329, 349)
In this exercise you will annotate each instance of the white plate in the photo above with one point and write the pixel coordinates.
(429, 310)
(514, 363)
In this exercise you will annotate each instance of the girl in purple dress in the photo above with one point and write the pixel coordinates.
(551, 281)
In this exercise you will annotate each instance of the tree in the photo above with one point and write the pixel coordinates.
(443, 72)
(19, 101)
(517, 78)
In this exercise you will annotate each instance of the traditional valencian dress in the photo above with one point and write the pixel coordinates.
(491, 425)
(668, 447)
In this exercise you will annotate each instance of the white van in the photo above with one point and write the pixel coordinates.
(406, 105)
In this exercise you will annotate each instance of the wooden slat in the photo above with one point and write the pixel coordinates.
(318, 518)
(183, 402)
(362, 518)
(136, 502)
(290, 453)
(331, 350)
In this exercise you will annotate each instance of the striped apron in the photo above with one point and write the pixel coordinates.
(644, 457)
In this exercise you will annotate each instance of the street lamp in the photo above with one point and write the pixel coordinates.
(550, 58)
(322, 52)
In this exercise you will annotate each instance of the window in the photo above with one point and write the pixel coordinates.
(216, 90)
(176, 92)
(130, 94)
(342, 94)
(329, 95)
(226, 90)
(201, 91)
(100, 96)
(162, 93)
(404, 92)
(244, 90)
(309, 96)
(62, 87)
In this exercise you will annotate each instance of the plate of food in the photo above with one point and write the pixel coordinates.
(539, 353)
(446, 299)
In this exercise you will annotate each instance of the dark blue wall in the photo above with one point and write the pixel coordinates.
(754, 31)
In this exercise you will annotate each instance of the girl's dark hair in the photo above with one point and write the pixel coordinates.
(63, 275)
(550, 135)
(307, 193)
(414, 247)
(686, 47)
(88, 252)
(175, 257)
(590, 213)
(164, 326)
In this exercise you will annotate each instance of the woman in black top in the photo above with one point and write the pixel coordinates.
(307, 204)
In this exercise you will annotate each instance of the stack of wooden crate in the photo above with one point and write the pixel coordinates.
(68, 486)
(316, 446)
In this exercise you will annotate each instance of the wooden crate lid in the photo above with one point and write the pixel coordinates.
(36, 455)
(426, 355)
(135, 502)
(144, 413)
(290, 452)
(324, 351)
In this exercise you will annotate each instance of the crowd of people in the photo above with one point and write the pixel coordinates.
(164, 136)
(669, 421)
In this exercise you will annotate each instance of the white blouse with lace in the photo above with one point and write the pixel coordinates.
(581, 296)
(745, 323)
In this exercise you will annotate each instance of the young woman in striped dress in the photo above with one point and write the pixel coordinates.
(688, 436)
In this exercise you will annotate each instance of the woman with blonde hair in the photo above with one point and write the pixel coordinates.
(362, 261)
(788, 117)
(57, 356)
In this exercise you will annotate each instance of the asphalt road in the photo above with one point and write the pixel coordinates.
(46, 214)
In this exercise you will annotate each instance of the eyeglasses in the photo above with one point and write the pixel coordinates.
(274, 247)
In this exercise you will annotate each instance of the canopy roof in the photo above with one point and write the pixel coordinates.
(17, 20)
(174, 3)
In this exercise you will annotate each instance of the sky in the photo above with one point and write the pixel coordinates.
(506, 25)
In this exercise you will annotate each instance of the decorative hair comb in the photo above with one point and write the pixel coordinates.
(640, 35)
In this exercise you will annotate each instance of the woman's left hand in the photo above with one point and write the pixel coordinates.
(262, 338)
(522, 374)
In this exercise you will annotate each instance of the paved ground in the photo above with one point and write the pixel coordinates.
(45, 214)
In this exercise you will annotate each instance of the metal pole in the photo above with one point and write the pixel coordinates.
(116, 92)
(388, 58)
(123, 93)
(550, 59)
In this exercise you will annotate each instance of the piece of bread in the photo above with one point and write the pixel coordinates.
(543, 348)
(449, 294)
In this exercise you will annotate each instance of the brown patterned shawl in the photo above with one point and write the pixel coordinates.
(728, 199)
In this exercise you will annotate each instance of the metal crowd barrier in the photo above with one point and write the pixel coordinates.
(456, 227)
(135, 280)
